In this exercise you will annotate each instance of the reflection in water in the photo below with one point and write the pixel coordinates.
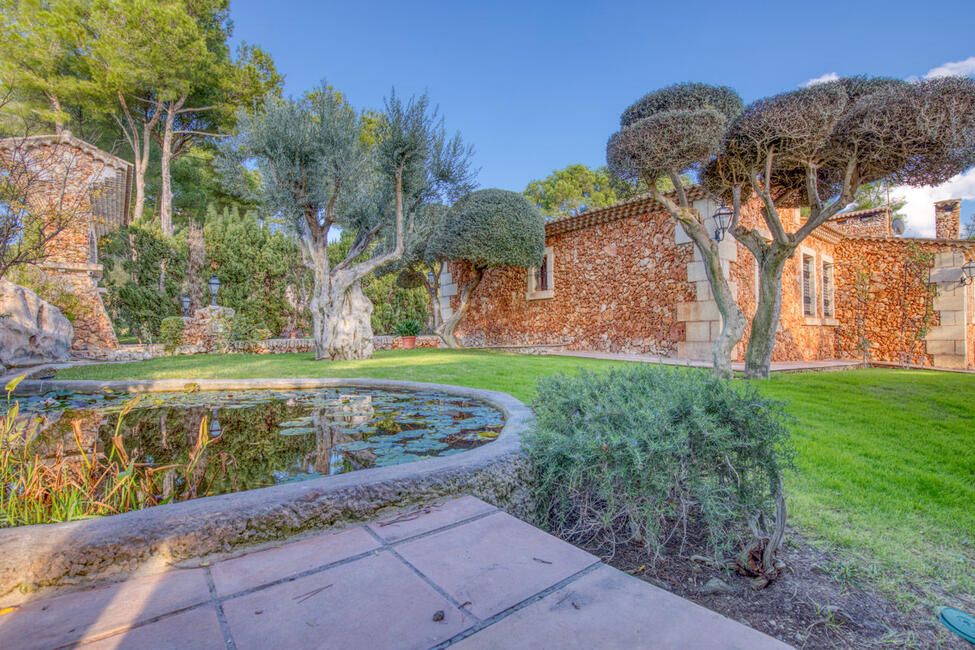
(211, 442)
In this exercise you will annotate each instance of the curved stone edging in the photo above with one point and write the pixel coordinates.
(68, 553)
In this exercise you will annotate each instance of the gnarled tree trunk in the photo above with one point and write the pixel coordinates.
(446, 329)
(732, 318)
(761, 342)
(341, 317)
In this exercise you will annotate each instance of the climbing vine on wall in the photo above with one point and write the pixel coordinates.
(916, 296)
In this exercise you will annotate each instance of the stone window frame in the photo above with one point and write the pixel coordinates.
(533, 293)
(810, 319)
(825, 259)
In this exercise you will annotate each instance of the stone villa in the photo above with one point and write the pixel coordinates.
(626, 278)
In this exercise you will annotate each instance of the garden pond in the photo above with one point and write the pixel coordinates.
(213, 442)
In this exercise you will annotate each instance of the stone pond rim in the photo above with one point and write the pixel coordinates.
(62, 554)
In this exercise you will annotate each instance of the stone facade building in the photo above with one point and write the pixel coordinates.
(92, 188)
(626, 278)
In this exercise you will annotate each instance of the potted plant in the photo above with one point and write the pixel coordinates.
(407, 331)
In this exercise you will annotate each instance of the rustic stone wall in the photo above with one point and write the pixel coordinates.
(629, 285)
(872, 223)
(208, 328)
(616, 287)
(891, 297)
(947, 219)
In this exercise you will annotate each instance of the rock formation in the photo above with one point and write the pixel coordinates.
(32, 331)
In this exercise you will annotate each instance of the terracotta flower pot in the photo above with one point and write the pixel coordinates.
(408, 342)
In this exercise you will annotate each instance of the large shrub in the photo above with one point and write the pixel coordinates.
(262, 276)
(659, 456)
(144, 271)
(171, 332)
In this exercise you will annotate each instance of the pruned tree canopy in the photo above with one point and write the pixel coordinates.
(492, 228)
(815, 144)
(684, 97)
(816, 147)
(663, 136)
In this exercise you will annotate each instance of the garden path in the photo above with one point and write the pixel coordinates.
(461, 572)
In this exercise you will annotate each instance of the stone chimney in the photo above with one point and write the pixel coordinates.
(947, 218)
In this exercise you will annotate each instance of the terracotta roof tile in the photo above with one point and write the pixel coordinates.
(634, 207)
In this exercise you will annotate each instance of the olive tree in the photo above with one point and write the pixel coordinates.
(663, 136)
(815, 147)
(323, 166)
(486, 228)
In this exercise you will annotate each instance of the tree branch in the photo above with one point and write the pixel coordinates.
(770, 214)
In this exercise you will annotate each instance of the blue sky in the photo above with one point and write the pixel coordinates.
(536, 86)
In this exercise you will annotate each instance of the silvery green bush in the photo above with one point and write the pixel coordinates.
(660, 456)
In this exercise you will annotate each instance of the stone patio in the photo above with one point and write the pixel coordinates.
(460, 572)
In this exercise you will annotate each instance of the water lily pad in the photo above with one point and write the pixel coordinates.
(296, 431)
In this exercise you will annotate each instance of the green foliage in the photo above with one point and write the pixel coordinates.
(653, 454)
(684, 97)
(875, 195)
(409, 279)
(408, 327)
(144, 272)
(171, 332)
(391, 301)
(42, 57)
(572, 190)
(49, 288)
(260, 269)
(492, 228)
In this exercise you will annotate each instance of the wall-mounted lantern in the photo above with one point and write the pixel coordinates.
(967, 273)
(721, 220)
(186, 305)
(214, 284)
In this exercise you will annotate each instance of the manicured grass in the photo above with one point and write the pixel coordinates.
(511, 373)
(885, 468)
(885, 458)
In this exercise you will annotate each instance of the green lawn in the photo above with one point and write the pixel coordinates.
(885, 463)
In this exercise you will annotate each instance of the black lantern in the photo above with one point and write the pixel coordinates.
(721, 219)
(967, 272)
(186, 304)
(214, 284)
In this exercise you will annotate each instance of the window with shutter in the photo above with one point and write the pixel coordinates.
(540, 279)
(828, 306)
(808, 287)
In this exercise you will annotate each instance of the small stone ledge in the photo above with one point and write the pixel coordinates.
(60, 555)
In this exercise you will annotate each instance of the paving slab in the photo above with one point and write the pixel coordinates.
(197, 629)
(374, 602)
(495, 562)
(610, 609)
(264, 567)
(66, 619)
(423, 519)
(459, 571)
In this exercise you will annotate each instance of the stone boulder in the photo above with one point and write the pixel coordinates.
(32, 331)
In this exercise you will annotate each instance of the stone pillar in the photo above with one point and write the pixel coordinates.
(947, 343)
(701, 318)
(947, 219)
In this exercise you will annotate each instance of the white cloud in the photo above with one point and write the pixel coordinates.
(829, 76)
(919, 209)
(964, 68)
